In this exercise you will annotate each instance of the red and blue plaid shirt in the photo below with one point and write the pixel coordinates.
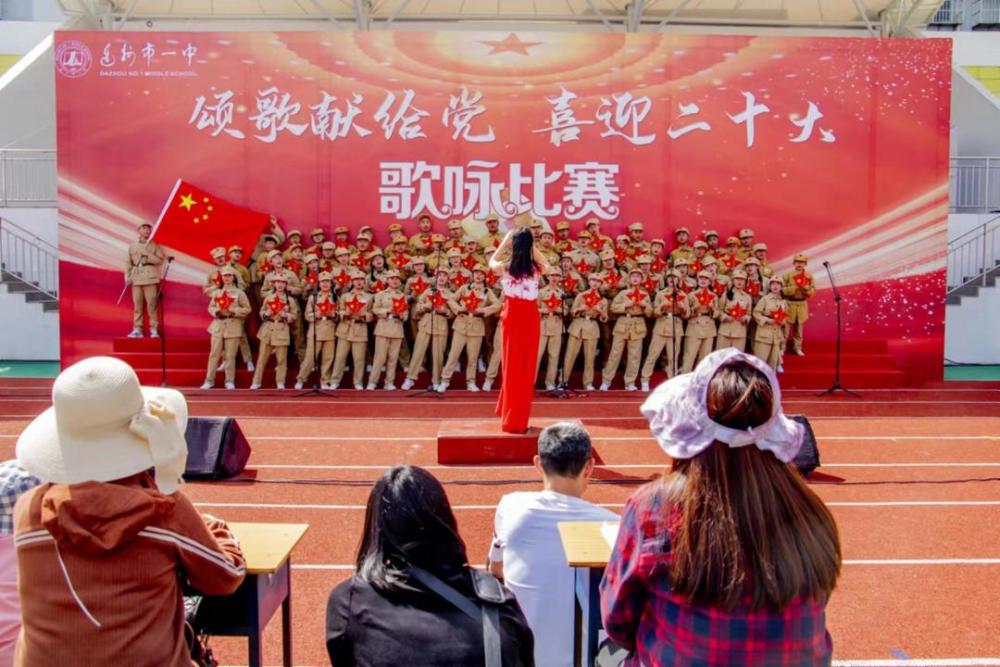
(661, 628)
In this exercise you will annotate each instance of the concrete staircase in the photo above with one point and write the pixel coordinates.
(971, 289)
(15, 283)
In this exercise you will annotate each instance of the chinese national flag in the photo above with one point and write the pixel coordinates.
(194, 221)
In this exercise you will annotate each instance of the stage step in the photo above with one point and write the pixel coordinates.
(152, 345)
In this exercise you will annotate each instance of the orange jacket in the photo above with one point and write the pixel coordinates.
(101, 568)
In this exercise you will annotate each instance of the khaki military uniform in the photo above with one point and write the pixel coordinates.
(732, 332)
(685, 251)
(701, 331)
(389, 333)
(421, 244)
(227, 331)
(668, 330)
(213, 280)
(322, 334)
(468, 330)
(728, 263)
(142, 269)
(552, 329)
(432, 331)
(294, 284)
(770, 336)
(496, 352)
(798, 307)
(352, 336)
(275, 336)
(584, 331)
(630, 331)
(491, 240)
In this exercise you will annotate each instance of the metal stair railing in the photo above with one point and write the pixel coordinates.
(27, 259)
(27, 177)
(974, 255)
(974, 184)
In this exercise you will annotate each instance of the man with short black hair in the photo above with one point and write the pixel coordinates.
(526, 549)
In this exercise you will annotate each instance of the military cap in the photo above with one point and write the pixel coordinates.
(437, 238)
(143, 224)
(316, 231)
(294, 232)
(547, 231)
(746, 233)
(636, 269)
(399, 238)
(554, 271)
(293, 246)
(733, 240)
(377, 252)
(584, 234)
(265, 237)
(330, 245)
(395, 227)
(801, 258)
(739, 273)
(311, 257)
(597, 275)
(325, 275)
(607, 254)
(700, 244)
(708, 260)
(419, 259)
(357, 274)
(710, 232)
(751, 260)
(277, 278)
(705, 274)
(235, 248)
(681, 229)
(775, 279)
(273, 254)
(759, 246)
(635, 227)
(340, 251)
(681, 261)
(481, 268)
(227, 271)
(455, 224)
(391, 273)
(218, 252)
(454, 252)
(644, 259)
(562, 225)
(655, 241)
(535, 224)
(592, 221)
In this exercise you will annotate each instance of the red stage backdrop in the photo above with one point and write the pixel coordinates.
(834, 147)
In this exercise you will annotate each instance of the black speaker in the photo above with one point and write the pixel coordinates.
(217, 448)
(807, 459)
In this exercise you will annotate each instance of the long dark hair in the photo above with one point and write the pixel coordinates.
(408, 521)
(748, 525)
(522, 261)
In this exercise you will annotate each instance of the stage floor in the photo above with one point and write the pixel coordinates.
(912, 477)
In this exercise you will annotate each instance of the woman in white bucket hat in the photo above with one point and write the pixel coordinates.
(101, 542)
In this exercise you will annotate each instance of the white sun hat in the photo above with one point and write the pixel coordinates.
(103, 426)
(678, 413)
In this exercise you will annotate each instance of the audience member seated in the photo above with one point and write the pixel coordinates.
(731, 558)
(386, 615)
(527, 551)
(103, 545)
(15, 481)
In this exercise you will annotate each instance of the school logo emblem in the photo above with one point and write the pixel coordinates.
(73, 59)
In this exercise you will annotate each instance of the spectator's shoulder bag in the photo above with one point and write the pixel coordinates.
(491, 595)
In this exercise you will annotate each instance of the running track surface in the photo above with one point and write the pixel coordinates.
(912, 477)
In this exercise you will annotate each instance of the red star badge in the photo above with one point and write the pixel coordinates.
(753, 288)
(801, 280)
(223, 301)
(650, 284)
(355, 305)
(325, 307)
(779, 316)
(340, 244)
(596, 244)
(400, 259)
(276, 306)
(620, 256)
(360, 261)
(553, 302)
(399, 305)
(342, 279)
(591, 298)
(695, 267)
(419, 285)
(469, 262)
(658, 265)
(570, 283)
(294, 265)
(496, 243)
(737, 311)
(458, 279)
(378, 286)
(471, 301)
(718, 288)
(491, 279)
(684, 287)
(326, 265)
(582, 267)
(731, 261)
(217, 279)
(312, 279)
(612, 279)
(705, 297)
(636, 296)
(438, 300)
(426, 240)
(267, 268)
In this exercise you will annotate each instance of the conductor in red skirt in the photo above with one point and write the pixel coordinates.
(520, 266)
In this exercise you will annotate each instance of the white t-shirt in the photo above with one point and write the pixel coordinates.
(526, 539)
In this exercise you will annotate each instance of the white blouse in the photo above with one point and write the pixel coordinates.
(520, 288)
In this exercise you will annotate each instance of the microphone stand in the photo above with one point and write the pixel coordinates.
(316, 390)
(163, 324)
(563, 390)
(836, 386)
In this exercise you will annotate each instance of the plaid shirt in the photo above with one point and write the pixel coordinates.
(660, 628)
(14, 481)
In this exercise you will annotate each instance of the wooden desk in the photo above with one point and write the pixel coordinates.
(587, 552)
(268, 585)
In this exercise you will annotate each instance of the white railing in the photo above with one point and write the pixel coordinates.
(27, 177)
(974, 255)
(975, 184)
(989, 11)
(28, 259)
(949, 12)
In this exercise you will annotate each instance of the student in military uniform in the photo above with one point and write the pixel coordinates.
(273, 230)
(321, 314)
(142, 271)
(736, 309)
(546, 244)
(719, 284)
(632, 305)
(342, 237)
(770, 313)
(432, 312)
(292, 238)
(563, 242)
(553, 308)
(262, 266)
(703, 309)
(756, 285)
(493, 237)
(685, 283)
(354, 312)
(670, 310)
(573, 282)
(456, 236)
(599, 241)
(712, 239)
(729, 261)
(746, 244)
(242, 273)
(588, 308)
(318, 238)
(229, 306)
(495, 349)
(471, 304)
(659, 265)
(798, 287)
(391, 309)
(399, 256)
(278, 312)
(213, 280)
(760, 252)
(682, 249)
(697, 262)
(637, 245)
(420, 243)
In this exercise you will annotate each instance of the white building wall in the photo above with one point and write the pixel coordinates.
(28, 332)
(970, 331)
